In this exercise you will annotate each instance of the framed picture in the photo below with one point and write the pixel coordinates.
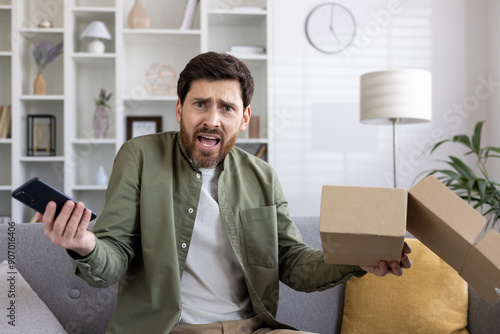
(41, 135)
(142, 125)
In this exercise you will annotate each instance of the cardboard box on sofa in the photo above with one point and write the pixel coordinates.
(362, 226)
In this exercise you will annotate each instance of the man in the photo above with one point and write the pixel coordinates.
(196, 230)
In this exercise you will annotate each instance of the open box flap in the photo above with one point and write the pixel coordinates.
(449, 226)
(443, 221)
(482, 269)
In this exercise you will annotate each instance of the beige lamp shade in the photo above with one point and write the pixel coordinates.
(403, 95)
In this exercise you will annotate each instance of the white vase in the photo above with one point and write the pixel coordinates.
(100, 178)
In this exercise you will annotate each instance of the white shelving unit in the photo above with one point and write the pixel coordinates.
(5, 99)
(75, 78)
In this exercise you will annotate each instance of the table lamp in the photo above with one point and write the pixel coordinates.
(96, 30)
(396, 96)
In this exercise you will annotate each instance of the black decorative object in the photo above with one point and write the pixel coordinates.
(41, 135)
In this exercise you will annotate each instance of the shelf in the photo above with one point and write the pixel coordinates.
(6, 188)
(230, 18)
(252, 141)
(94, 141)
(7, 141)
(94, 13)
(90, 188)
(5, 7)
(246, 56)
(94, 55)
(5, 53)
(94, 59)
(41, 34)
(239, 11)
(36, 98)
(129, 100)
(42, 159)
(129, 31)
(148, 36)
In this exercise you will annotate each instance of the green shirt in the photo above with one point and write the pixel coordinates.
(144, 232)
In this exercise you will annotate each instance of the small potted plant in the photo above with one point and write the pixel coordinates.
(473, 184)
(101, 121)
(44, 53)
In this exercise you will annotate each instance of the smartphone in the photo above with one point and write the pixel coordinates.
(36, 193)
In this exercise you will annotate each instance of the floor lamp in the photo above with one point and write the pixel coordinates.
(396, 96)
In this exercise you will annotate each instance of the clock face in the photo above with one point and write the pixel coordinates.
(330, 28)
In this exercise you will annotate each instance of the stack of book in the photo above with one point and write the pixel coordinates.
(5, 118)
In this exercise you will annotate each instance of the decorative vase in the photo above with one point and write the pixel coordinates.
(100, 122)
(40, 86)
(100, 178)
(138, 18)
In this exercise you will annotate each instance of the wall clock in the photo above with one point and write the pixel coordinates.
(330, 27)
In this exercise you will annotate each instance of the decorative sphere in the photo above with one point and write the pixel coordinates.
(45, 24)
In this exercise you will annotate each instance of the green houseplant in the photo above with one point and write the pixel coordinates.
(472, 184)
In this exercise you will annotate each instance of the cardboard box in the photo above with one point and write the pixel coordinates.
(361, 225)
(450, 227)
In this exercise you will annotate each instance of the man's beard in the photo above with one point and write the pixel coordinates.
(206, 159)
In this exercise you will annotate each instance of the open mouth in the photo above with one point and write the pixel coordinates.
(207, 141)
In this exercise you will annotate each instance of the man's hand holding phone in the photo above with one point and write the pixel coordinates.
(69, 228)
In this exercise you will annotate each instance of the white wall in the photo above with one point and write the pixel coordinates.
(493, 61)
(318, 137)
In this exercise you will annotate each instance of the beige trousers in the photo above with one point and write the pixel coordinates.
(253, 325)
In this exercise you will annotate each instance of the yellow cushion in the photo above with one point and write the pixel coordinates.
(429, 298)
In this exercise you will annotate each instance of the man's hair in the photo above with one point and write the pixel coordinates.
(216, 66)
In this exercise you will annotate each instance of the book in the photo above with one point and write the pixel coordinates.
(3, 113)
(5, 122)
(188, 17)
(9, 122)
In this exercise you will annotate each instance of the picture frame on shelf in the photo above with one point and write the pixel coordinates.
(143, 125)
(41, 135)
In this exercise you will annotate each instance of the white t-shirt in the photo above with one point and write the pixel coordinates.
(213, 288)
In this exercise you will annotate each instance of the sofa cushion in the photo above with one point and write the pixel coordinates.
(429, 298)
(25, 312)
(79, 307)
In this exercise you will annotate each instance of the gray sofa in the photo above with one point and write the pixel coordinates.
(83, 309)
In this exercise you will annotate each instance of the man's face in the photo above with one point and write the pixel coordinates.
(211, 119)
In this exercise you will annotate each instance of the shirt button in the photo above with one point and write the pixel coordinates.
(198, 175)
(183, 245)
(190, 210)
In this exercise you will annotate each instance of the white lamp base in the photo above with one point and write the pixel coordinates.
(96, 46)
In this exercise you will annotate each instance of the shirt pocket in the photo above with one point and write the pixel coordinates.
(260, 233)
